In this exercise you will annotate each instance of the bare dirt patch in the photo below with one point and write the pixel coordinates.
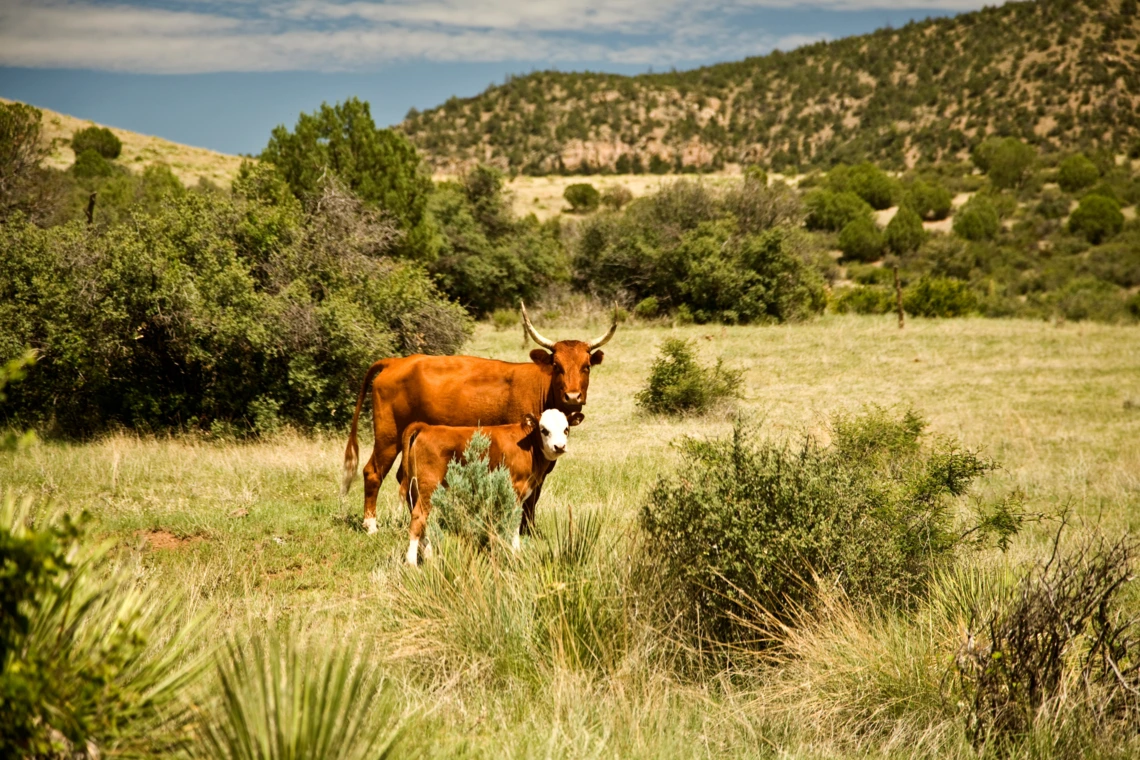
(163, 539)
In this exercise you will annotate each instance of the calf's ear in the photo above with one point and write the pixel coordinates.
(541, 357)
(596, 357)
(529, 424)
(575, 418)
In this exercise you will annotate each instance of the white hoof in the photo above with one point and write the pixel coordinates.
(413, 551)
(428, 552)
(370, 525)
(516, 543)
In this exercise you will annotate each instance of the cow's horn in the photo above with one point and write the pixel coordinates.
(599, 342)
(544, 342)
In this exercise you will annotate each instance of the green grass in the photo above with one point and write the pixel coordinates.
(258, 540)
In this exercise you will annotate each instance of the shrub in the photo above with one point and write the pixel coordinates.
(1053, 205)
(1086, 298)
(83, 669)
(977, 220)
(1097, 218)
(867, 181)
(905, 232)
(477, 504)
(503, 319)
(582, 197)
(1008, 162)
(827, 210)
(735, 539)
(1076, 173)
(1117, 262)
(678, 384)
(929, 200)
(89, 164)
(615, 197)
(488, 258)
(647, 308)
(199, 314)
(861, 240)
(379, 166)
(25, 185)
(863, 299)
(99, 139)
(1062, 636)
(939, 297)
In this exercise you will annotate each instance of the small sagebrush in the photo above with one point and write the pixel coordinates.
(679, 384)
(477, 503)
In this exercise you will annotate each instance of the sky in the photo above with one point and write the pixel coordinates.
(222, 74)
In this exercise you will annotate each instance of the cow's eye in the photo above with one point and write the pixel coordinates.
(557, 369)
(586, 369)
(545, 431)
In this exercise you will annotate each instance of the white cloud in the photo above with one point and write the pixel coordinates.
(329, 35)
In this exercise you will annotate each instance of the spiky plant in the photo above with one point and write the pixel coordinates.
(291, 698)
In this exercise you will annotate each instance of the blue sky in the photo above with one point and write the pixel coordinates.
(222, 74)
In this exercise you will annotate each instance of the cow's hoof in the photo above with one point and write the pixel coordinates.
(370, 525)
(412, 556)
(428, 553)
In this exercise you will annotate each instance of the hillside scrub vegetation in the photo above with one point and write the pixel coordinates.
(1052, 74)
(99, 139)
(678, 384)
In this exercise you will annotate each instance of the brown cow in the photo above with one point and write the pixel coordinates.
(527, 449)
(465, 391)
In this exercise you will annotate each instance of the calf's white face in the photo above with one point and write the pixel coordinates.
(553, 428)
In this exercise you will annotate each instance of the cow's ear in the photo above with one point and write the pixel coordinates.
(596, 357)
(542, 357)
(575, 418)
(529, 424)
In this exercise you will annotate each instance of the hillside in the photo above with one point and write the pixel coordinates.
(1057, 73)
(189, 164)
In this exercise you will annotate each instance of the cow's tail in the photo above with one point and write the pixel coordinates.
(352, 451)
(413, 481)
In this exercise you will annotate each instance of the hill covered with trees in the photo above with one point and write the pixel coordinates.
(1059, 74)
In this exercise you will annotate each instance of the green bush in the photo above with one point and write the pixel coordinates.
(200, 314)
(939, 297)
(616, 197)
(904, 233)
(1076, 173)
(867, 181)
(863, 299)
(827, 210)
(736, 538)
(1087, 298)
(1008, 162)
(84, 669)
(861, 240)
(379, 166)
(731, 256)
(488, 258)
(678, 384)
(90, 164)
(1117, 262)
(647, 308)
(1097, 218)
(503, 319)
(477, 504)
(1053, 205)
(977, 220)
(930, 201)
(582, 197)
(99, 139)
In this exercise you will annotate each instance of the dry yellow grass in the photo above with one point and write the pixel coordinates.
(139, 151)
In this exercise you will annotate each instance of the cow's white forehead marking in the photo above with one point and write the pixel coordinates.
(553, 428)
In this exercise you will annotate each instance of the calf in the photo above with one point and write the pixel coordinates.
(527, 449)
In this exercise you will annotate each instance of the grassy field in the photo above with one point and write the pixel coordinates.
(254, 536)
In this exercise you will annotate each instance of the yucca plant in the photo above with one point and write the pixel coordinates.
(292, 698)
(84, 666)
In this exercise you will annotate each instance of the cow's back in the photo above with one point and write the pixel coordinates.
(459, 391)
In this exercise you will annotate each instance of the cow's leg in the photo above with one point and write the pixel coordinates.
(529, 504)
(416, 533)
(384, 453)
